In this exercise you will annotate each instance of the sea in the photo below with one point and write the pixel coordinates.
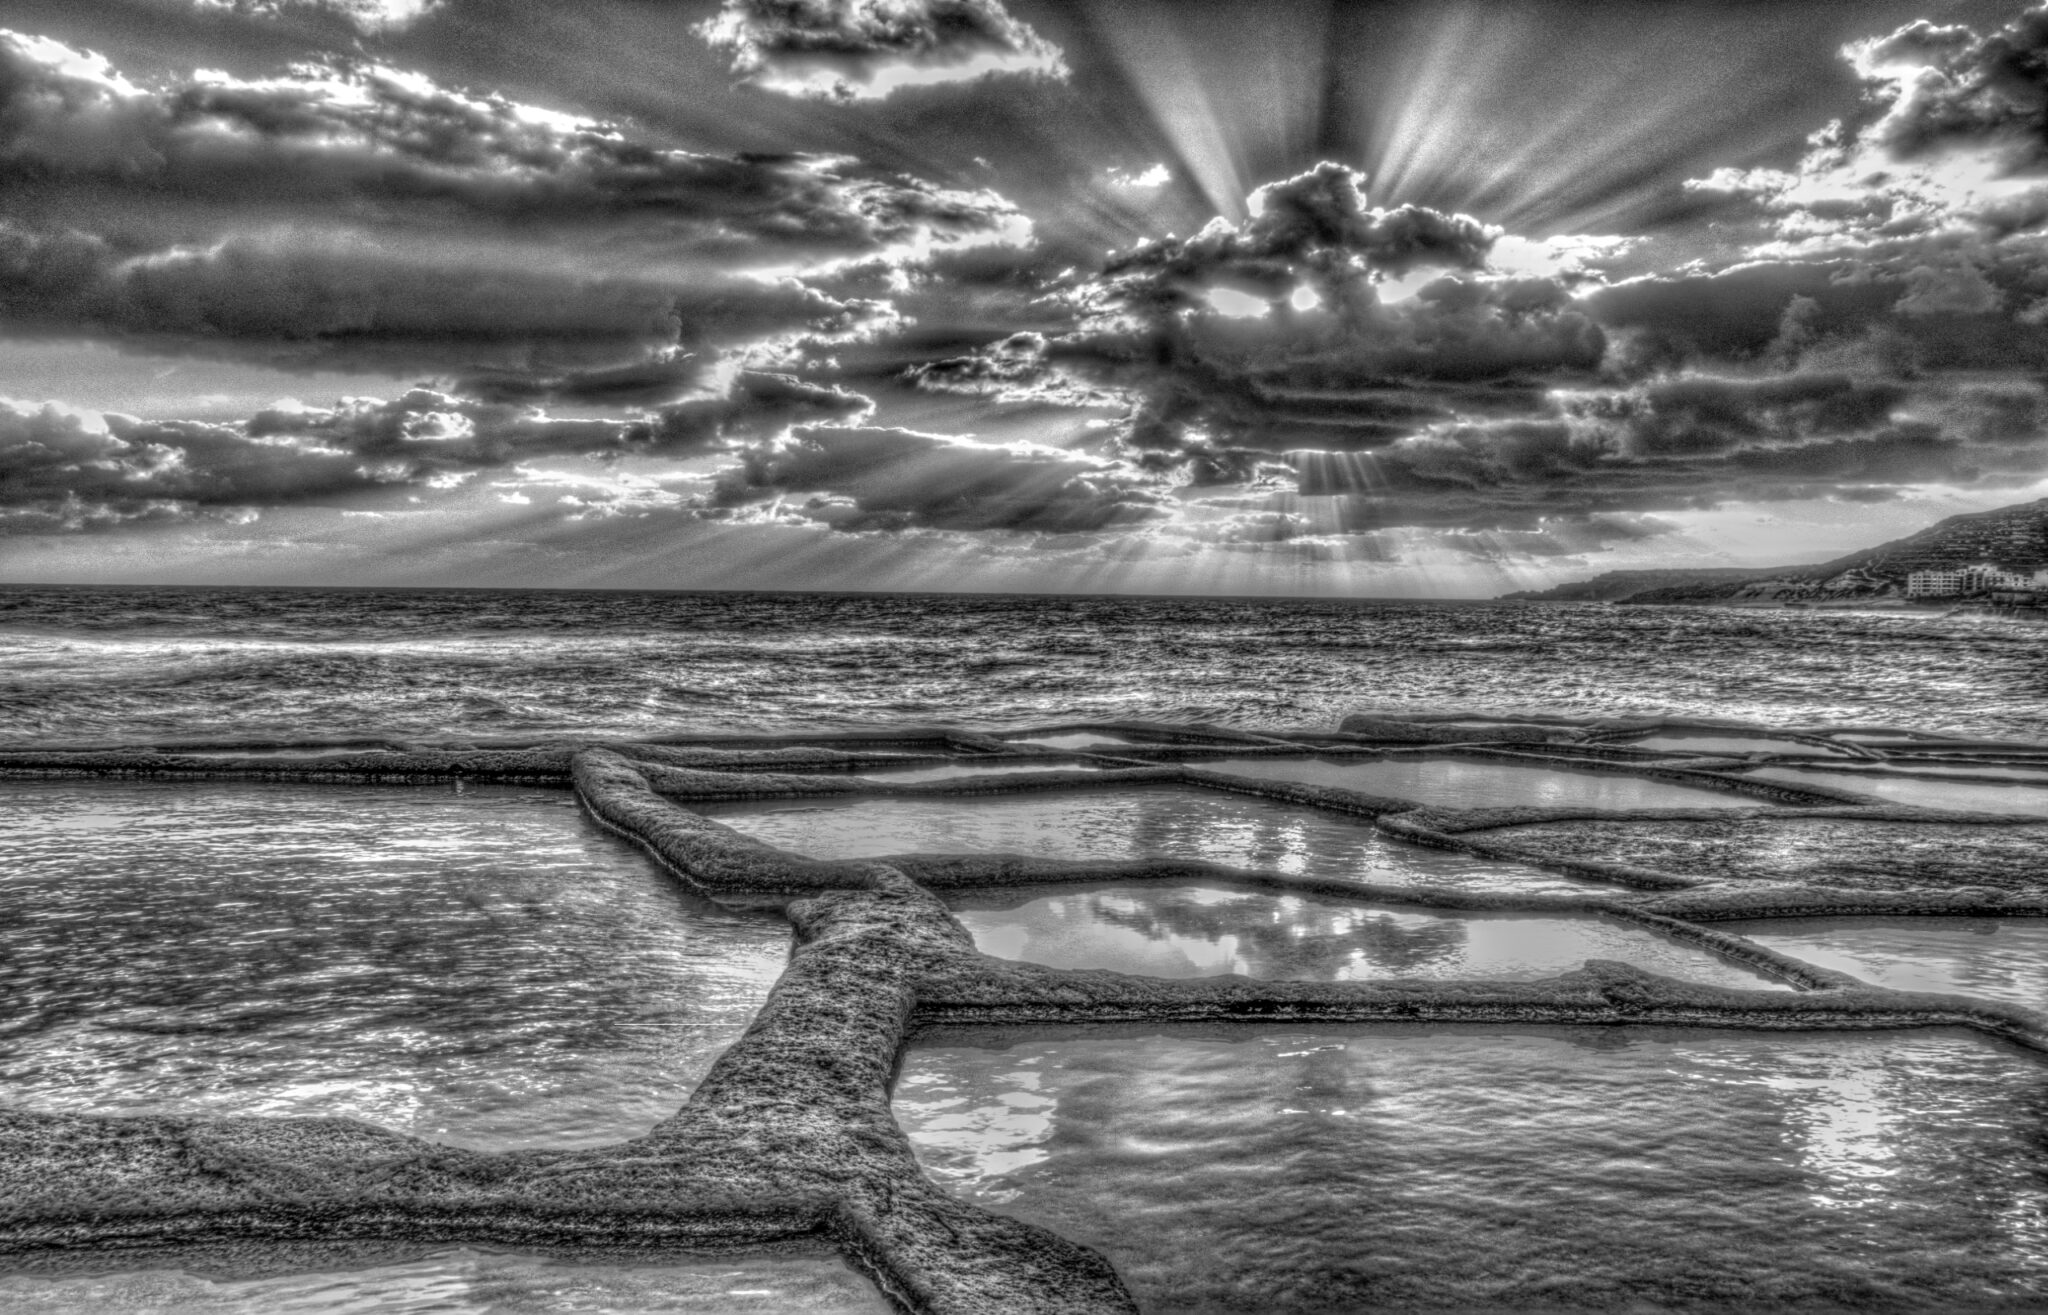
(138, 665)
(481, 965)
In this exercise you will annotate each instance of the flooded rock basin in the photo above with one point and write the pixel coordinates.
(1723, 743)
(1971, 796)
(1785, 847)
(476, 965)
(1994, 958)
(2020, 775)
(1425, 1168)
(1152, 822)
(965, 771)
(1485, 783)
(465, 1281)
(1089, 740)
(1206, 931)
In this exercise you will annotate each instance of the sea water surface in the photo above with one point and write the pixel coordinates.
(130, 664)
(486, 967)
(1128, 824)
(1296, 1169)
(478, 965)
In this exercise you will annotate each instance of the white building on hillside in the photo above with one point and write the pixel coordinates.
(1948, 582)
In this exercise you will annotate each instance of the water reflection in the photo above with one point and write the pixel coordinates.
(1687, 742)
(478, 965)
(1206, 931)
(1076, 740)
(1458, 783)
(1975, 796)
(1162, 822)
(1995, 958)
(1329, 1169)
(470, 1282)
(1785, 847)
(962, 770)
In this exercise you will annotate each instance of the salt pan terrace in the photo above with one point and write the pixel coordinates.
(1079, 1017)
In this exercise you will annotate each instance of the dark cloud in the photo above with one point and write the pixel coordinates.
(1942, 87)
(758, 406)
(1925, 313)
(1312, 231)
(394, 148)
(663, 376)
(59, 471)
(1950, 144)
(356, 216)
(895, 479)
(357, 304)
(850, 49)
(1696, 416)
(1326, 362)
(371, 17)
(1692, 442)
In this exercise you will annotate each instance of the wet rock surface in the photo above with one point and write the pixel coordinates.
(791, 1136)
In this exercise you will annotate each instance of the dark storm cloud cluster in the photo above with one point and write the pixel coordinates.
(58, 471)
(1692, 441)
(781, 449)
(894, 479)
(1943, 161)
(360, 216)
(1326, 362)
(1314, 230)
(367, 16)
(847, 49)
(1959, 88)
(388, 146)
(1321, 358)
(347, 302)
(1872, 318)
(1489, 401)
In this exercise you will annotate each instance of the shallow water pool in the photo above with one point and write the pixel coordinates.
(1995, 958)
(2031, 775)
(469, 1282)
(1702, 742)
(1438, 1168)
(1485, 783)
(1076, 740)
(1150, 822)
(1788, 846)
(1207, 931)
(477, 965)
(968, 770)
(1972, 796)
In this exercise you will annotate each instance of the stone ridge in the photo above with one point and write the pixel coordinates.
(790, 1135)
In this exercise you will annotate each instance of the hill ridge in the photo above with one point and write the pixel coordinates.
(2014, 538)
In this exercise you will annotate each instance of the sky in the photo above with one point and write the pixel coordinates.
(1287, 297)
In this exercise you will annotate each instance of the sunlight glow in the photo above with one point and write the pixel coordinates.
(1406, 286)
(1496, 115)
(1237, 305)
(828, 81)
(1231, 125)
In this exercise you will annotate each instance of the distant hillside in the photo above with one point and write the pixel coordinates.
(2015, 538)
(1616, 585)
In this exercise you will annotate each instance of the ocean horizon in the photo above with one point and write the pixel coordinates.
(95, 663)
